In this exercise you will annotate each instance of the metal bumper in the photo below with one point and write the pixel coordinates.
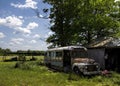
(91, 73)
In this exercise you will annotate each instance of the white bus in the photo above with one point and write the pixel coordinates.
(73, 58)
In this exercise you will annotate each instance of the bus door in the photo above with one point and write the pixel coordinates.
(66, 58)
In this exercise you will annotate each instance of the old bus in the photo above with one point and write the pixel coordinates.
(69, 58)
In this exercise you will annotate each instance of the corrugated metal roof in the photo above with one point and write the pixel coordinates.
(105, 42)
(66, 48)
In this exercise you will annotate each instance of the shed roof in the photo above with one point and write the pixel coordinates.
(66, 48)
(106, 42)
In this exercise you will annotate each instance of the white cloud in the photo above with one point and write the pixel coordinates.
(52, 24)
(2, 35)
(11, 44)
(33, 41)
(16, 23)
(49, 34)
(11, 21)
(28, 4)
(23, 30)
(16, 41)
(27, 29)
(36, 36)
(41, 15)
(32, 25)
(1, 41)
(21, 17)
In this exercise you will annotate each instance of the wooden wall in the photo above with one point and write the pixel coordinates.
(98, 56)
(108, 58)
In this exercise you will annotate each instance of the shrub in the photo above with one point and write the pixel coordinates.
(22, 65)
(33, 58)
(11, 59)
(40, 62)
(14, 59)
(21, 58)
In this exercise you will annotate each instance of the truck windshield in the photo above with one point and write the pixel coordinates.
(79, 54)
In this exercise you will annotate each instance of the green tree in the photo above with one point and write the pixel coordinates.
(62, 18)
(82, 21)
(4, 53)
(96, 21)
(116, 15)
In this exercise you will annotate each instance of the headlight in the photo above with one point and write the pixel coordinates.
(97, 66)
(81, 68)
(86, 67)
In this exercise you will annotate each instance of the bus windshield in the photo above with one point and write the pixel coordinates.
(79, 54)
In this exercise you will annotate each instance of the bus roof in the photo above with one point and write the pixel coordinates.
(67, 48)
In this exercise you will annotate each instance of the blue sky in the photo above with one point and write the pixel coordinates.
(20, 28)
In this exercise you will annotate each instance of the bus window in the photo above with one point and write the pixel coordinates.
(52, 55)
(79, 54)
(59, 55)
(48, 54)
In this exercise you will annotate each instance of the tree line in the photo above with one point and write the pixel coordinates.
(83, 21)
(3, 52)
(7, 52)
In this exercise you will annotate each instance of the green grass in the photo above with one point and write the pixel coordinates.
(27, 57)
(39, 75)
(7, 57)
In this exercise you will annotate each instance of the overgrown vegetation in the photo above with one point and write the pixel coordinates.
(34, 73)
(22, 63)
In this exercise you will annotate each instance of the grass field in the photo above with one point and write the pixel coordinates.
(39, 75)
(27, 57)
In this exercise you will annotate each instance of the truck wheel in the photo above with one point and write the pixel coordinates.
(76, 70)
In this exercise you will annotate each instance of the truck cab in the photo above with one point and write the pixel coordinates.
(82, 64)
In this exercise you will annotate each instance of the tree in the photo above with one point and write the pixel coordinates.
(4, 53)
(116, 15)
(62, 18)
(81, 21)
(95, 20)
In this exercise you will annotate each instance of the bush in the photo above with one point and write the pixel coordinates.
(40, 62)
(14, 59)
(21, 58)
(33, 58)
(11, 59)
(22, 65)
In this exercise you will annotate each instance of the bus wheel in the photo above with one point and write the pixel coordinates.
(76, 70)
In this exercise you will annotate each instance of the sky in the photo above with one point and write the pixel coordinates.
(20, 28)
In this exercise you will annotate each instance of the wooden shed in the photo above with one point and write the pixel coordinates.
(106, 53)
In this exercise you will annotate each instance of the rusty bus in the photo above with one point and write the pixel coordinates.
(73, 58)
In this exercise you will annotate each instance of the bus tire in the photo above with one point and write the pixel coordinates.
(76, 70)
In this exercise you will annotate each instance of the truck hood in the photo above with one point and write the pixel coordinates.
(83, 60)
